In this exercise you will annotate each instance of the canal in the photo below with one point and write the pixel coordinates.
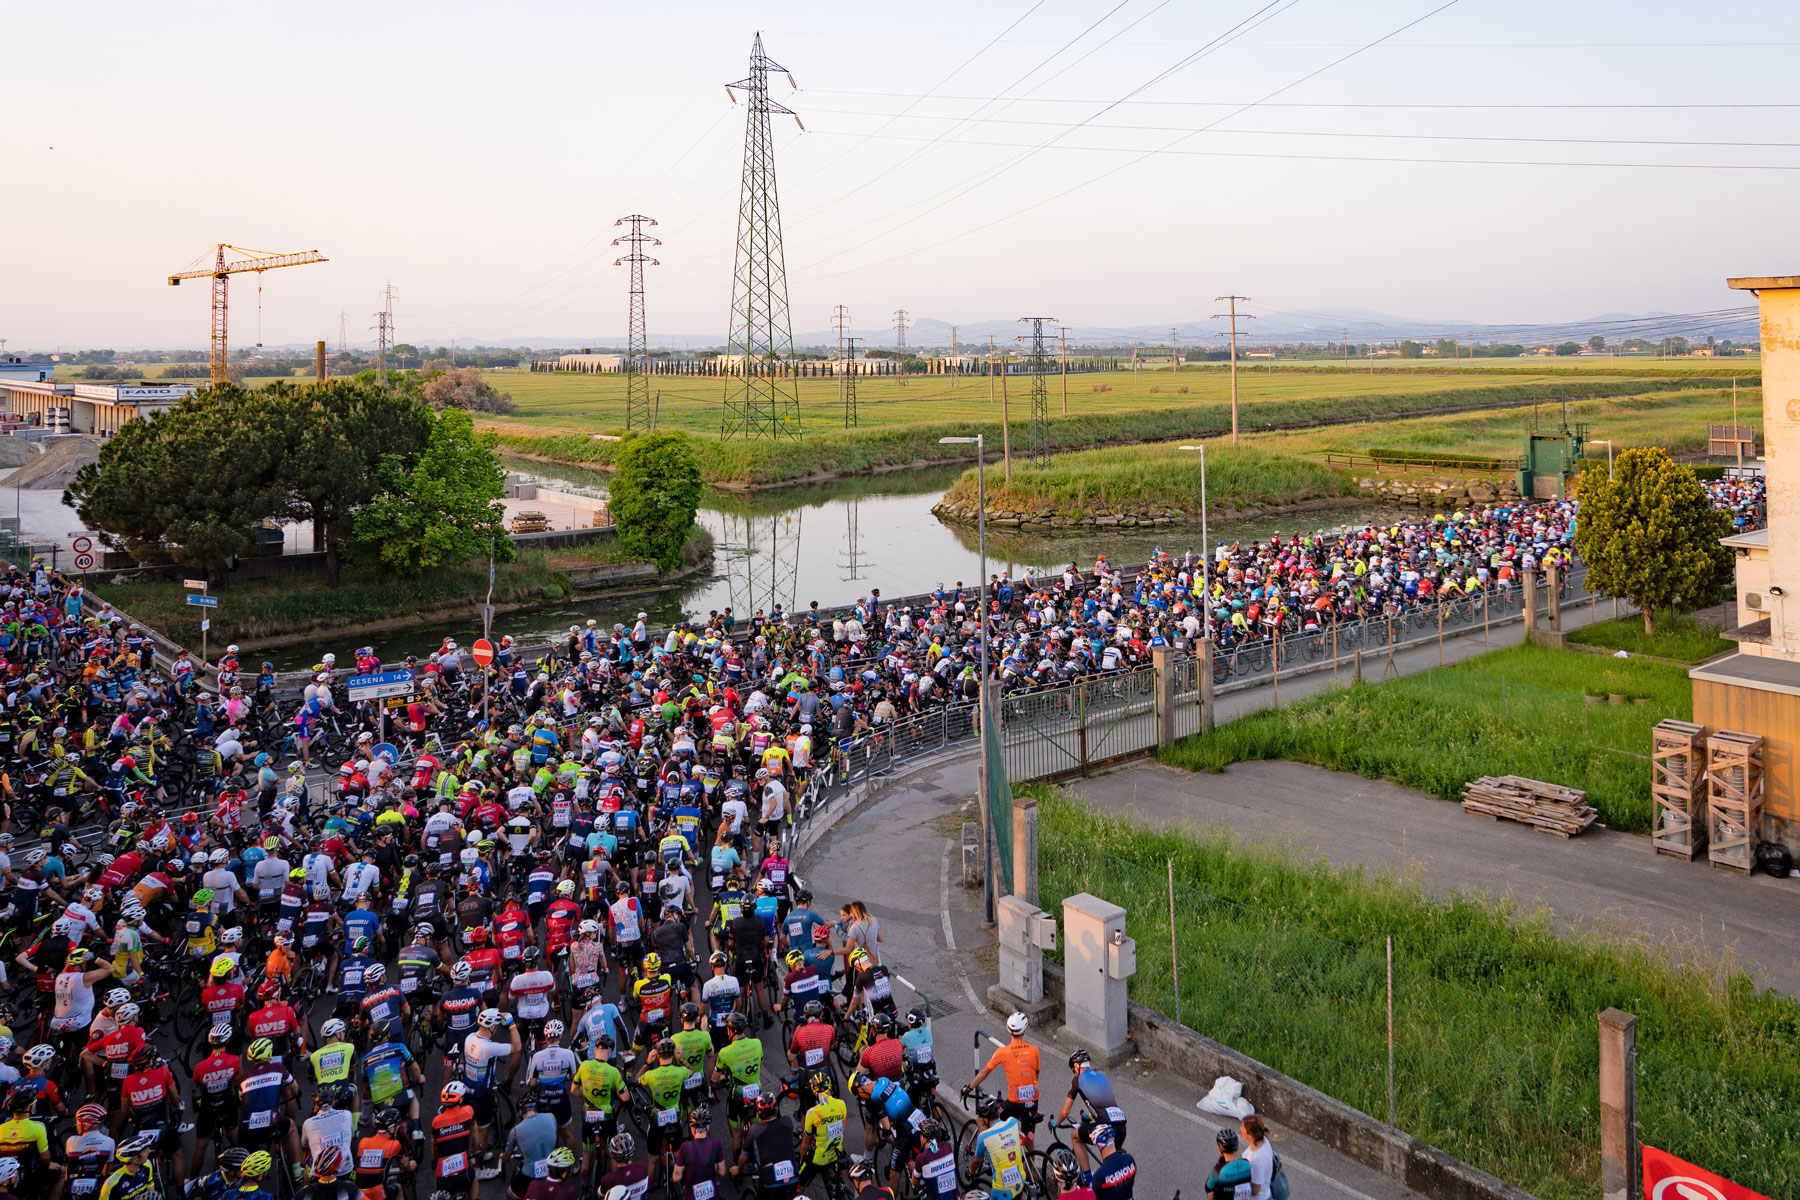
(827, 542)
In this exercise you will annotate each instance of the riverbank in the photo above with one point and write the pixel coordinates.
(266, 614)
(911, 429)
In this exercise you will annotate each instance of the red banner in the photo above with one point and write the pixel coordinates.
(1668, 1178)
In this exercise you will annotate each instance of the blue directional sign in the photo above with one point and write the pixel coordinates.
(374, 687)
(204, 601)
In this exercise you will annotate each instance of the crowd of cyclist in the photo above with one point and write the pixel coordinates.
(536, 921)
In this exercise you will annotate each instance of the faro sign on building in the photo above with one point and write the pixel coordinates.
(1669, 1178)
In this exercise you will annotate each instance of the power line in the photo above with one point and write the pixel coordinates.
(1622, 106)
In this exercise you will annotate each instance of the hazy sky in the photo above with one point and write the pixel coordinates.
(477, 155)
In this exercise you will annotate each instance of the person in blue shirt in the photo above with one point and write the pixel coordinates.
(1102, 1107)
(797, 927)
(599, 1020)
(543, 744)
(391, 1078)
(348, 977)
(898, 1113)
(360, 922)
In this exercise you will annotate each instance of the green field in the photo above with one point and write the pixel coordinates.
(1525, 711)
(1494, 1009)
(1678, 636)
(559, 415)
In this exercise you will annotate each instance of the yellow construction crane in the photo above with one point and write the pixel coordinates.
(221, 271)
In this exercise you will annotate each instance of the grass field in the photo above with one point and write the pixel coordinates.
(900, 425)
(1523, 711)
(1494, 1010)
(1678, 636)
(1157, 476)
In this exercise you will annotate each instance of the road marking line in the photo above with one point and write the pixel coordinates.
(944, 894)
(969, 991)
(1194, 1116)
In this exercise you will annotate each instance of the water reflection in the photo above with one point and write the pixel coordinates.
(825, 542)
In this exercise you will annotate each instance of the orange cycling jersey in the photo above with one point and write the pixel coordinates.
(280, 964)
(1020, 1062)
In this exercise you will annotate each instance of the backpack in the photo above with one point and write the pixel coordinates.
(1278, 1182)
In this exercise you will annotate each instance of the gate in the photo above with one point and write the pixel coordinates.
(1071, 729)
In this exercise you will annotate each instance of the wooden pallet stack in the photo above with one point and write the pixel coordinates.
(1678, 786)
(1546, 807)
(531, 522)
(1734, 777)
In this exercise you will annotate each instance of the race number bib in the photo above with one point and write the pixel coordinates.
(915, 1120)
(261, 1120)
(783, 1171)
(452, 1164)
(1028, 1093)
(752, 1091)
(667, 1116)
(815, 1057)
(703, 1190)
(1115, 1114)
(1013, 1178)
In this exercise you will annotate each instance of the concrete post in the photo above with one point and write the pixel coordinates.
(1164, 662)
(1530, 585)
(1025, 849)
(1098, 958)
(1206, 684)
(1356, 664)
(1619, 1175)
(1552, 598)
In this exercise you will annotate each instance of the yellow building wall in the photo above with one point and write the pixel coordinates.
(1774, 715)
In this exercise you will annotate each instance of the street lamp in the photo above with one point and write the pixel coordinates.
(987, 841)
(1608, 441)
(1205, 557)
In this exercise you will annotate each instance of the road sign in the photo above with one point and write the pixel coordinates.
(396, 702)
(204, 601)
(83, 545)
(378, 687)
(482, 652)
(205, 624)
(84, 562)
(196, 584)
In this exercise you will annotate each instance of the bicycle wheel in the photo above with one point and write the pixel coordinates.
(190, 1017)
(965, 1153)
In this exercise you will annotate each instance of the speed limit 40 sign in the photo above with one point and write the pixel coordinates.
(84, 562)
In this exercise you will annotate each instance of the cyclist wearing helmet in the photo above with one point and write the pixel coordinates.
(152, 1100)
(663, 1078)
(653, 995)
(277, 1021)
(215, 1097)
(1019, 1060)
(88, 1152)
(603, 1090)
(268, 1095)
(75, 991)
(738, 1066)
(529, 1144)
(700, 1162)
(769, 1151)
(531, 992)
(551, 1077)
(382, 1152)
(384, 1009)
(822, 1142)
(457, 1011)
(895, 1112)
(330, 1129)
(998, 1160)
(748, 937)
(722, 996)
(134, 1171)
(915, 1041)
(496, 1038)
(331, 1181)
(555, 1183)
(390, 1076)
(201, 927)
(223, 998)
(802, 984)
(629, 1175)
(693, 1046)
(350, 975)
(933, 1167)
(452, 1149)
(334, 1060)
(1100, 1106)
(26, 1140)
(1116, 1173)
(251, 1175)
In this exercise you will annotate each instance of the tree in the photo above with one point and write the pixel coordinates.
(1651, 535)
(191, 483)
(1411, 349)
(1597, 343)
(1566, 349)
(463, 387)
(333, 442)
(654, 496)
(441, 506)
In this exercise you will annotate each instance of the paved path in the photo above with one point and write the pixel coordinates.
(901, 855)
(1602, 879)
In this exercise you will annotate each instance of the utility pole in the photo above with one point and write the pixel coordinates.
(1346, 346)
(900, 343)
(1174, 352)
(384, 332)
(1233, 314)
(1134, 362)
(990, 368)
(1065, 369)
(343, 334)
(762, 397)
(637, 347)
(1040, 399)
(1005, 426)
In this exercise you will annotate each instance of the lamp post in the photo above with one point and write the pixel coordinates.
(1608, 441)
(1205, 559)
(987, 840)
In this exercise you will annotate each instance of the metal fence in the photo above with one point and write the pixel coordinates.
(1069, 729)
(880, 751)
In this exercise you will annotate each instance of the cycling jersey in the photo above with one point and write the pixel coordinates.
(331, 1063)
(384, 1069)
(825, 1125)
(602, 1087)
(1000, 1159)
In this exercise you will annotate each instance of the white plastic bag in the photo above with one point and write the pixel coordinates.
(1226, 1099)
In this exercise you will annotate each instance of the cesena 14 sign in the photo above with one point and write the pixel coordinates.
(1669, 1178)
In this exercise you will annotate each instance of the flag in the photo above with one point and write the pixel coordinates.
(1669, 1178)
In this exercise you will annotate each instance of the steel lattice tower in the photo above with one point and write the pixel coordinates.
(384, 333)
(840, 317)
(637, 348)
(849, 385)
(762, 396)
(1040, 396)
(900, 343)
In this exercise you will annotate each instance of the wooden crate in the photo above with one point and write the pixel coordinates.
(1678, 787)
(1734, 776)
